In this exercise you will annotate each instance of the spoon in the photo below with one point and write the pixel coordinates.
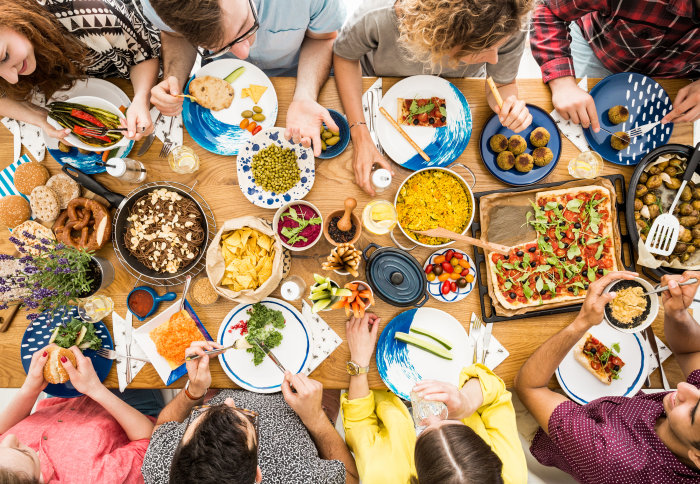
(345, 224)
(448, 234)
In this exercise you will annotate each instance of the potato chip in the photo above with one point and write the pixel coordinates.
(248, 256)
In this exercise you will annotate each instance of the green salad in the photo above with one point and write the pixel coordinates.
(78, 333)
(262, 326)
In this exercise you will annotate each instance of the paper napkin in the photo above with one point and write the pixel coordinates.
(163, 128)
(119, 330)
(28, 135)
(571, 130)
(324, 339)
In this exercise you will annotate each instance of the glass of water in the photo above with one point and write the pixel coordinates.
(423, 409)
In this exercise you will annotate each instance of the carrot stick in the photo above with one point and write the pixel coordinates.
(105, 156)
(355, 310)
(351, 286)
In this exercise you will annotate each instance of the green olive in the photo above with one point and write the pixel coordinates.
(326, 135)
(257, 109)
(333, 140)
(258, 117)
(247, 113)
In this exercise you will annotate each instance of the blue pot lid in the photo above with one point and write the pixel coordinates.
(396, 277)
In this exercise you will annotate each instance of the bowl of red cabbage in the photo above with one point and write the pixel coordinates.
(299, 225)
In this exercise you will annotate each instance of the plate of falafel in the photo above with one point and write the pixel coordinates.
(521, 158)
(624, 101)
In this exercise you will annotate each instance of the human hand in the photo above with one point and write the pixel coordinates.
(163, 96)
(593, 309)
(574, 103)
(365, 156)
(686, 106)
(458, 405)
(514, 114)
(138, 119)
(678, 298)
(306, 402)
(83, 376)
(198, 370)
(35, 382)
(304, 119)
(362, 337)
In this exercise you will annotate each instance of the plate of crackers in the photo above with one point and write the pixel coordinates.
(228, 101)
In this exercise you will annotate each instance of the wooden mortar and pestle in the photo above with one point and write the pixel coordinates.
(347, 220)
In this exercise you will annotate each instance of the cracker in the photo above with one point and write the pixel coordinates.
(65, 187)
(211, 92)
(33, 229)
(44, 203)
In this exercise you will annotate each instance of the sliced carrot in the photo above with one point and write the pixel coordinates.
(354, 294)
(122, 109)
(365, 294)
(355, 310)
(339, 304)
(371, 299)
(351, 286)
(361, 303)
(105, 156)
(347, 311)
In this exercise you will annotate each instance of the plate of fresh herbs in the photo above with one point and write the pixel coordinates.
(299, 225)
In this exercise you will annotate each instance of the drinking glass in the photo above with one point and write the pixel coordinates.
(183, 159)
(422, 409)
(95, 308)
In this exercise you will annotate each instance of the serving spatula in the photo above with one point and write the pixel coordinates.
(663, 235)
(448, 234)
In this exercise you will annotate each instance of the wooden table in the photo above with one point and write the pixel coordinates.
(217, 182)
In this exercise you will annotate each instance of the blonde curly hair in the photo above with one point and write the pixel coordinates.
(431, 30)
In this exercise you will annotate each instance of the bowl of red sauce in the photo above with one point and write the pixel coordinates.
(143, 301)
(299, 225)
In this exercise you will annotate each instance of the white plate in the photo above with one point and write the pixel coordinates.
(582, 386)
(292, 352)
(435, 287)
(442, 145)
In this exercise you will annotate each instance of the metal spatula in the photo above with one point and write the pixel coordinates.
(663, 235)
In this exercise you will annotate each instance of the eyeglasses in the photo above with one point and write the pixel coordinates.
(208, 55)
(250, 414)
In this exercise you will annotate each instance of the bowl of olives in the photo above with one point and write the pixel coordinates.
(334, 143)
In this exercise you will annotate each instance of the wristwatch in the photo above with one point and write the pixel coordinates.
(355, 369)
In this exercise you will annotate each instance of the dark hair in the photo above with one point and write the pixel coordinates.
(198, 21)
(455, 454)
(218, 451)
(9, 477)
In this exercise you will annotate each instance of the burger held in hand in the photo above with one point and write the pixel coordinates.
(53, 370)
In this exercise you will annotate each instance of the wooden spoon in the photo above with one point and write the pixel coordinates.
(448, 234)
(345, 224)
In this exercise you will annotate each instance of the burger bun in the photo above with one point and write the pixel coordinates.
(53, 369)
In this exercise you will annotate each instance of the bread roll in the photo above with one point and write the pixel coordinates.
(30, 175)
(53, 370)
(14, 210)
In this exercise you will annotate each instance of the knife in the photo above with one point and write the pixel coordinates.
(370, 106)
(149, 139)
(269, 353)
(651, 338)
(487, 340)
(128, 334)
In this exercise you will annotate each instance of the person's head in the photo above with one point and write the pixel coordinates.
(682, 409)
(467, 31)
(19, 463)
(449, 452)
(36, 51)
(219, 26)
(220, 444)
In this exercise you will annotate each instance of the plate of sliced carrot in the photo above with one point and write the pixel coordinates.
(358, 302)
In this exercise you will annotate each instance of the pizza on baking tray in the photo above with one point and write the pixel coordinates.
(597, 358)
(574, 247)
(430, 112)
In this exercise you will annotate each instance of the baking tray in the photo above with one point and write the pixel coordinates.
(488, 313)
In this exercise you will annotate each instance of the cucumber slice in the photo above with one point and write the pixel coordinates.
(343, 293)
(430, 334)
(320, 305)
(334, 291)
(235, 75)
(81, 335)
(320, 279)
(319, 287)
(54, 334)
(423, 344)
(315, 296)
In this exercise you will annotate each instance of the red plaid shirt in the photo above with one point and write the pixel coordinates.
(659, 38)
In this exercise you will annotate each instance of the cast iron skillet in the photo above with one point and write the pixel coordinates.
(683, 150)
(120, 225)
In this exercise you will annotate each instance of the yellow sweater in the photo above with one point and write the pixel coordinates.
(379, 430)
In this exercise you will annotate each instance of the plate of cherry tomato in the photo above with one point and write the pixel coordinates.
(451, 274)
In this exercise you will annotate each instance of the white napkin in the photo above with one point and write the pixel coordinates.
(28, 135)
(163, 128)
(496, 355)
(119, 330)
(573, 131)
(664, 353)
(324, 340)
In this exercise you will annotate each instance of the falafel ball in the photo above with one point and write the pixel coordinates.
(618, 114)
(620, 140)
(539, 137)
(524, 162)
(542, 156)
(505, 160)
(517, 144)
(498, 143)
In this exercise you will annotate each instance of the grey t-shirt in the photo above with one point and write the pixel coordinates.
(371, 36)
(286, 452)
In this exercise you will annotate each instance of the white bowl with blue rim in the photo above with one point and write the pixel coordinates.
(646, 101)
(443, 145)
(435, 287)
(293, 352)
(254, 192)
(583, 387)
(38, 334)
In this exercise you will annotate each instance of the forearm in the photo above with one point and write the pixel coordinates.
(22, 111)
(506, 90)
(136, 425)
(359, 386)
(348, 79)
(179, 408)
(178, 57)
(473, 399)
(143, 77)
(314, 67)
(682, 332)
(20, 408)
(331, 446)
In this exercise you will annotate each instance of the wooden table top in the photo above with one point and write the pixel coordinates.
(217, 182)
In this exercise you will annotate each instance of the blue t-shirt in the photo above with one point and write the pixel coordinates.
(283, 26)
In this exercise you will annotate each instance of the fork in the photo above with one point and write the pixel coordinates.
(476, 325)
(644, 129)
(113, 355)
(102, 131)
(168, 145)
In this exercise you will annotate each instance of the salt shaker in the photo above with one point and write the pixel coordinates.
(126, 169)
(381, 179)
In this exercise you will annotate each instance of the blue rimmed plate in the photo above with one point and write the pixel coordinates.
(493, 126)
(583, 387)
(434, 288)
(401, 365)
(344, 133)
(646, 101)
(442, 145)
(255, 193)
(86, 162)
(292, 352)
(37, 335)
(219, 131)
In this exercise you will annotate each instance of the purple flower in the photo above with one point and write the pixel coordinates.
(31, 270)
(22, 249)
(6, 257)
(3, 306)
(32, 317)
(42, 248)
(45, 241)
(5, 288)
(60, 246)
(16, 241)
(37, 285)
(26, 259)
(29, 235)
(67, 293)
(62, 260)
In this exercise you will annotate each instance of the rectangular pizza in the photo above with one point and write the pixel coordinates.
(430, 112)
(574, 247)
(597, 358)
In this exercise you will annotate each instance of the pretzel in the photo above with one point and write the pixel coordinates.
(90, 219)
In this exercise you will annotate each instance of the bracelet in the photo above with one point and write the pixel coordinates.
(357, 123)
(189, 395)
